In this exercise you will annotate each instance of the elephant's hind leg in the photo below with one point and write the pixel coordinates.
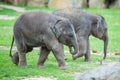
(22, 59)
(43, 56)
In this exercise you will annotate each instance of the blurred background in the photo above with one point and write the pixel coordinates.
(58, 4)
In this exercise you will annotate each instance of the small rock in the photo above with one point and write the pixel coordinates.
(96, 4)
(94, 51)
(106, 72)
(117, 53)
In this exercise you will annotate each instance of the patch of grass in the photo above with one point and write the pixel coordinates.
(6, 34)
(9, 12)
(8, 70)
(4, 23)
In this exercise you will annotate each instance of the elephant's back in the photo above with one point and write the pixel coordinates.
(76, 16)
(35, 17)
(32, 21)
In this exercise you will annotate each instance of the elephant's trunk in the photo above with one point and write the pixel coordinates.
(74, 49)
(105, 46)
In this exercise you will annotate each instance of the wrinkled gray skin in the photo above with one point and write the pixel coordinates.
(35, 29)
(85, 24)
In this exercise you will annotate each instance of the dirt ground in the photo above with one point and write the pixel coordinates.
(39, 78)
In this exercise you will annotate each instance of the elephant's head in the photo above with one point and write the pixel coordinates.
(65, 33)
(99, 30)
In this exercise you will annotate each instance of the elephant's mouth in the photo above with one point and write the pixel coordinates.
(101, 37)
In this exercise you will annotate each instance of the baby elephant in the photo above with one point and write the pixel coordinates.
(85, 24)
(40, 29)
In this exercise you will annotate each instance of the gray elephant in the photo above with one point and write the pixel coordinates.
(85, 24)
(40, 29)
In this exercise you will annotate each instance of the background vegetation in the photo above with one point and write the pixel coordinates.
(9, 71)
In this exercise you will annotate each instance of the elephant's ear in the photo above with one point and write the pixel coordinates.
(56, 29)
(53, 25)
(99, 24)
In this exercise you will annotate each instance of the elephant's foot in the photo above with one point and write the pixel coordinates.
(87, 57)
(65, 58)
(40, 66)
(87, 60)
(15, 58)
(73, 57)
(23, 65)
(77, 56)
(63, 67)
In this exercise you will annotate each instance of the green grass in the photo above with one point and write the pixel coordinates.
(6, 34)
(9, 71)
(4, 23)
(9, 12)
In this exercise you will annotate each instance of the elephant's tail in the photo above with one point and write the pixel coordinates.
(11, 47)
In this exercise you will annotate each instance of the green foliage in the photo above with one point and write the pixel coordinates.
(9, 12)
(9, 71)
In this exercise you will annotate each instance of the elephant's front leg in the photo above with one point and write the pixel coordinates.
(64, 53)
(43, 56)
(87, 55)
(59, 55)
(22, 59)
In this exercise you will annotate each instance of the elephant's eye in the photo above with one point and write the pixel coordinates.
(70, 35)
